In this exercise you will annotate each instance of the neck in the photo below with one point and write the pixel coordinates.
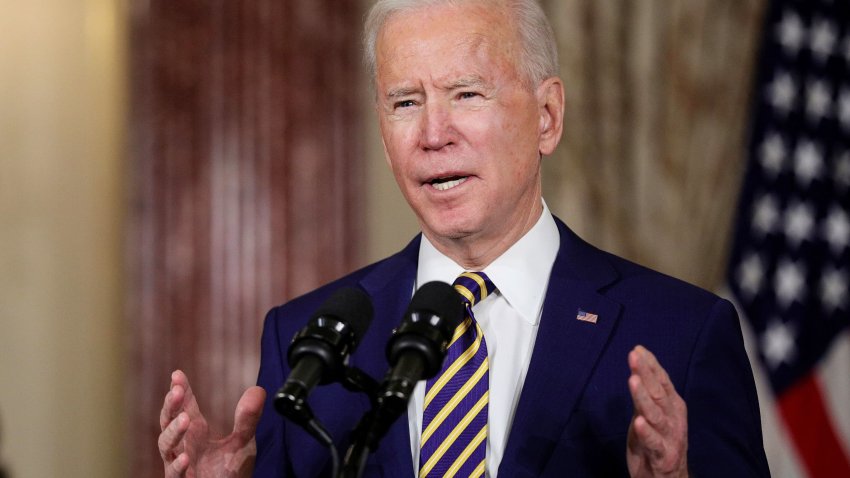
(476, 251)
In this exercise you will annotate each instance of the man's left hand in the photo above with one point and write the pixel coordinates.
(658, 435)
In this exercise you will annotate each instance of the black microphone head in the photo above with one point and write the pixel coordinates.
(427, 327)
(350, 305)
(442, 300)
(418, 346)
(318, 351)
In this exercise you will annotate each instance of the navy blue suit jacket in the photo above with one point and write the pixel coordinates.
(574, 412)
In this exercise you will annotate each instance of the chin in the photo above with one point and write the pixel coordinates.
(451, 230)
(452, 222)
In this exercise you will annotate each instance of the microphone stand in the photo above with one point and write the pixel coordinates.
(388, 404)
(365, 437)
(353, 379)
(356, 380)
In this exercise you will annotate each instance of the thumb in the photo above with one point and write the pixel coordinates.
(248, 412)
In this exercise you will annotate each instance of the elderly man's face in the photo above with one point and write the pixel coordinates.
(462, 131)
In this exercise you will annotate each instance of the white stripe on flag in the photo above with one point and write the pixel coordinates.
(834, 373)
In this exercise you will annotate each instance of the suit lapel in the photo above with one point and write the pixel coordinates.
(564, 355)
(390, 286)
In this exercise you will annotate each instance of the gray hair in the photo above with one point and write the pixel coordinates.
(539, 56)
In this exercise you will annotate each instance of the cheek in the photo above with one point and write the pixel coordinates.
(398, 132)
(397, 144)
(484, 131)
(507, 128)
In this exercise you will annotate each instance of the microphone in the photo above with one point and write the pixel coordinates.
(318, 352)
(418, 347)
(415, 352)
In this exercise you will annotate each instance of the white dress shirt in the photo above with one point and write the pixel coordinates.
(509, 319)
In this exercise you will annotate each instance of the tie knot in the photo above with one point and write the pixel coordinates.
(474, 287)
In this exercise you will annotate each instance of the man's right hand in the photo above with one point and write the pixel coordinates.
(187, 447)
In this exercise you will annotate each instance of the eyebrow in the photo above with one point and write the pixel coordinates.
(401, 92)
(466, 82)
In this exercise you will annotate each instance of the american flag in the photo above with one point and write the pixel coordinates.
(790, 264)
(587, 316)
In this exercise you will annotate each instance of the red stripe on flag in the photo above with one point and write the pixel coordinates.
(802, 407)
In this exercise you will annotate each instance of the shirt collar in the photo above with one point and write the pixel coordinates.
(521, 273)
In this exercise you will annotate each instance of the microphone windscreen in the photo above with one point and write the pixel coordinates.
(350, 305)
(440, 299)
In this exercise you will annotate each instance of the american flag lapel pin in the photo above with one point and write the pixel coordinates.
(587, 317)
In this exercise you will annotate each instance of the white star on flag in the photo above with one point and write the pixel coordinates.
(818, 99)
(773, 153)
(808, 163)
(765, 214)
(837, 230)
(823, 39)
(834, 290)
(751, 275)
(791, 33)
(782, 93)
(789, 283)
(778, 344)
(799, 222)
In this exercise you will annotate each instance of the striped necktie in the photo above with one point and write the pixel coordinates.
(454, 418)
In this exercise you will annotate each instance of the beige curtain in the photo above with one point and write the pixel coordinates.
(656, 117)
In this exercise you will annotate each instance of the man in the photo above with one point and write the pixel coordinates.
(469, 102)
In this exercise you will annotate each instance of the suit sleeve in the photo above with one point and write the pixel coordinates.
(724, 424)
(271, 459)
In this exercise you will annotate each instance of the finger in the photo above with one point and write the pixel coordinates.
(659, 373)
(248, 411)
(644, 364)
(666, 454)
(659, 385)
(171, 406)
(173, 402)
(180, 378)
(164, 412)
(178, 467)
(190, 404)
(170, 438)
(655, 379)
(649, 441)
(644, 404)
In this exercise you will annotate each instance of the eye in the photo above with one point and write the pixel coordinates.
(465, 95)
(404, 104)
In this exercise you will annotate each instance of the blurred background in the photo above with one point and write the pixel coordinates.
(171, 169)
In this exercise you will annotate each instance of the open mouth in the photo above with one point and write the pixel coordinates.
(444, 184)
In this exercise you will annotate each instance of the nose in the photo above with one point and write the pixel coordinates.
(437, 130)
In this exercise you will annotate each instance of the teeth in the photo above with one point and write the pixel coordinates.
(449, 184)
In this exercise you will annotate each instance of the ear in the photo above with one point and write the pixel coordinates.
(550, 102)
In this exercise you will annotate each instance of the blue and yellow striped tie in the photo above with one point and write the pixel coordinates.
(454, 418)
